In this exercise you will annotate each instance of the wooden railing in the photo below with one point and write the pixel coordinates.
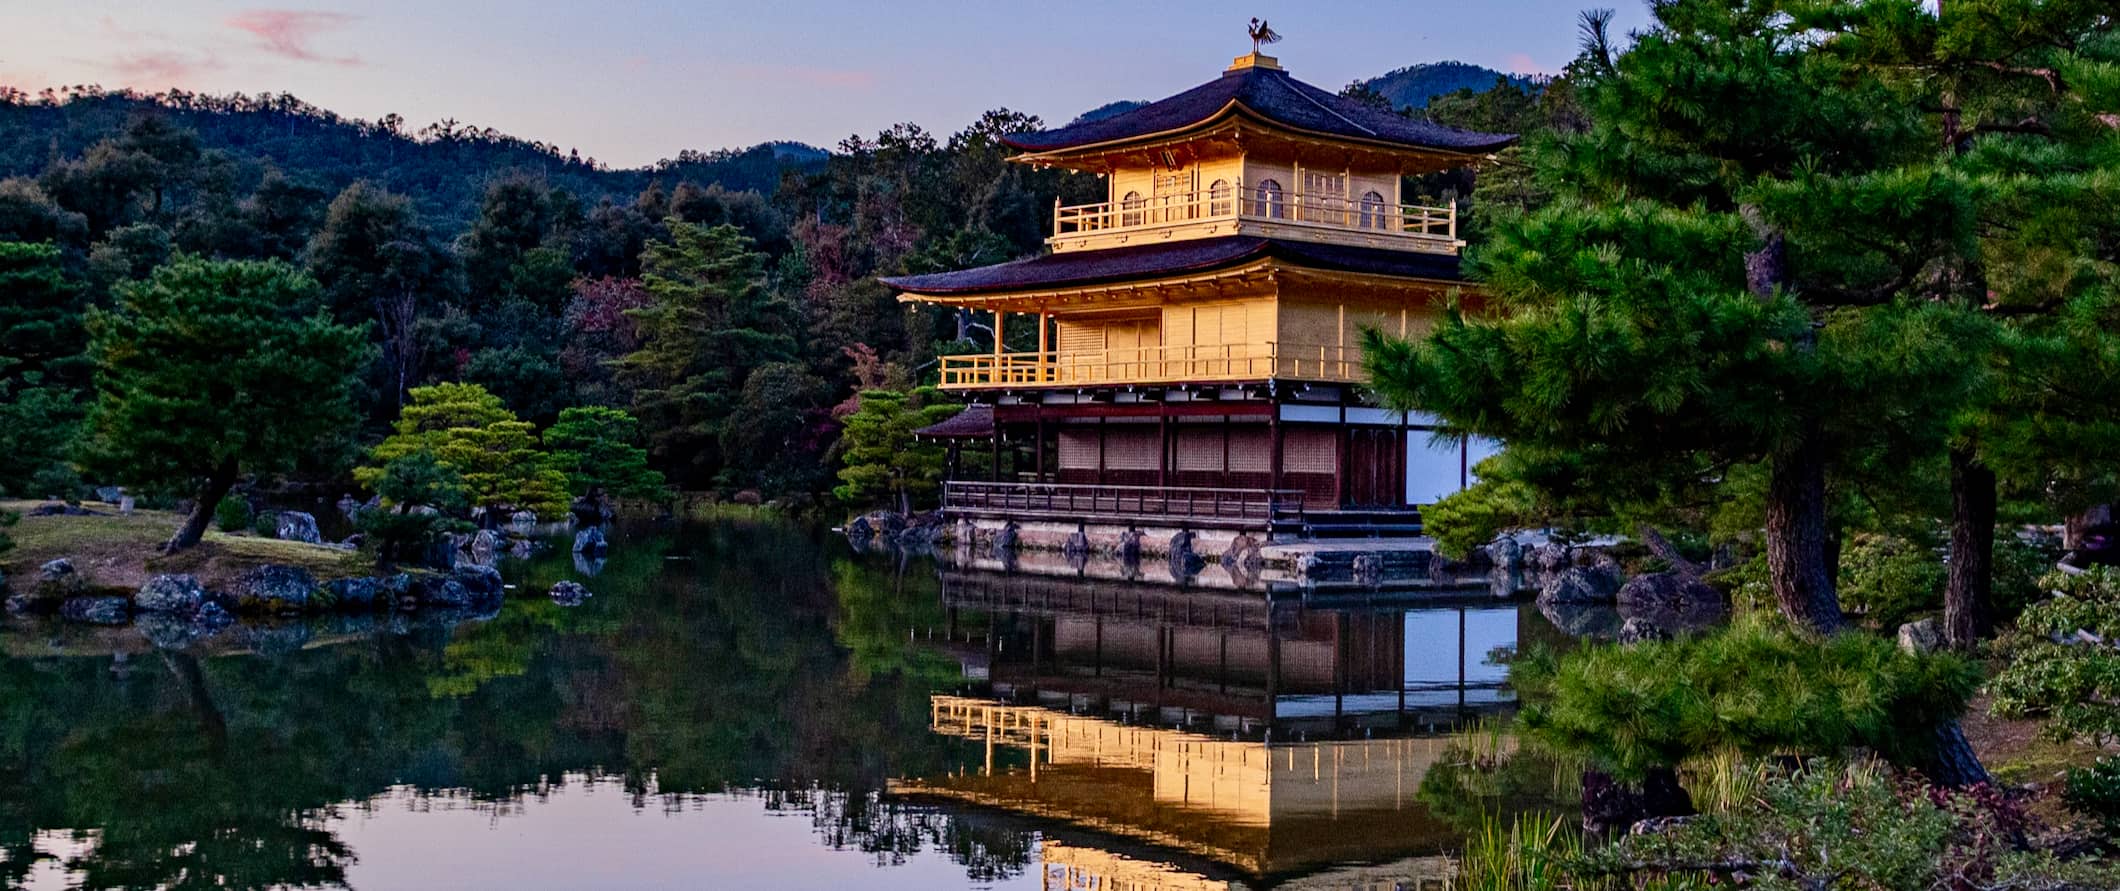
(1157, 364)
(1238, 507)
(1437, 225)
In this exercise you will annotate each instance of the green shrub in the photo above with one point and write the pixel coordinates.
(1849, 828)
(2058, 674)
(2094, 792)
(1753, 688)
(266, 524)
(233, 514)
(1891, 580)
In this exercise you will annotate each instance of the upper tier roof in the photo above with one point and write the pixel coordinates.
(1271, 94)
(1171, 258)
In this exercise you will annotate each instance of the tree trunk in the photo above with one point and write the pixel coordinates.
(211, 492)
(1799, 554)
(1954, 763)
(1968, 598)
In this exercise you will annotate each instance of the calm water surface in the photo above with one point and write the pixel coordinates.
(748, 705)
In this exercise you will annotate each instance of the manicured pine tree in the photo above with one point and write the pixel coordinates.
(210, 369)
(1685, 323)
(471, 432)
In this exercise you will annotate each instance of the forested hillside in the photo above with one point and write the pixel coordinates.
(442, 167)
(1414, 85)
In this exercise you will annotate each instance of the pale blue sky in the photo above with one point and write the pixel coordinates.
(630, 82)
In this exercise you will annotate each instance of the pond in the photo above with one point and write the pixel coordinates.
(748, 704)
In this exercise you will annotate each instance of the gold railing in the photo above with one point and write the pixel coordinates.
(1237, 202)
(1155, 365)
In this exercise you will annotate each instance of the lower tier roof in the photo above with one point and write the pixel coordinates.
(1173, 258)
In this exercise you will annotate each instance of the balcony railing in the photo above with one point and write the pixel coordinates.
(1422, 227)
(1156, 365)
(1244, 508)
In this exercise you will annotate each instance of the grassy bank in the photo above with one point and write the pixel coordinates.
(124, 551)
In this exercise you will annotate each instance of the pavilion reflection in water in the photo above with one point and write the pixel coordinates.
(1190, 739)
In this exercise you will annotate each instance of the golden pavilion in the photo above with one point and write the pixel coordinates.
(1198, 357)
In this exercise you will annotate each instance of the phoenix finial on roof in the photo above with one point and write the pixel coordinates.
(1261, 34)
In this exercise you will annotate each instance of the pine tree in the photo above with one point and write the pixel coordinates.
(881, 461)
(1719, 293)
(710, 322)
(212, 368)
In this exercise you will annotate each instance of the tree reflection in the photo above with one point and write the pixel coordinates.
(713, 659)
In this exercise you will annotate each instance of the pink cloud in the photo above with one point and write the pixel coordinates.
(289, 32)
(1522, 63)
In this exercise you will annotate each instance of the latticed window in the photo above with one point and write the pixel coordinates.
(1268, 201)
(1373, 211)
(1218, 199)
(1131, 210)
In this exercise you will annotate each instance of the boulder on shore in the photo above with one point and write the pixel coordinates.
(1578, 584)
(369, 592)
(178, 595)
(1920, 637)
(440, 591)
(96, 610)
(1673, 599)
(274, 588)
(294, 525)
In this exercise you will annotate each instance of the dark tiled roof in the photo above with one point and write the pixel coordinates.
(1175, 257)
(1272, 94)
(976, 421)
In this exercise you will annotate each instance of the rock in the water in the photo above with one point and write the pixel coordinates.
(1005, 542)
(569, 593)
(1130, 547)
(368, 592)
(522, 520)
(1184, 564)
(1576, 584)
(99, 610)
(295, 525)
(590, 542)
(1077, 544)
(1920, 637)
(1506, 576)
(275, 589)
(481, 583)
(440, 591)
(1243, 556)
(178, 595)
(1637, 629)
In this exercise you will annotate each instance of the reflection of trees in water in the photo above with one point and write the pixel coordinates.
(758, 658)
(892, 831)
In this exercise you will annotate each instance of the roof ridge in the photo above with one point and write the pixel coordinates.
(1330, 110)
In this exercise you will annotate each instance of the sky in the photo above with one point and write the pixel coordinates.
(628, 83)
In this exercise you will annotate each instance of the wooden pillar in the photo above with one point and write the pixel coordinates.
(1045, 325)
(999, 440)
(1000, 375)
(1275, 432)
(1339, 470)
(1100, 450)
(1038, 450)
(1163, 445)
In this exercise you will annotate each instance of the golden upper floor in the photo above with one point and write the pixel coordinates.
(1256, 152)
